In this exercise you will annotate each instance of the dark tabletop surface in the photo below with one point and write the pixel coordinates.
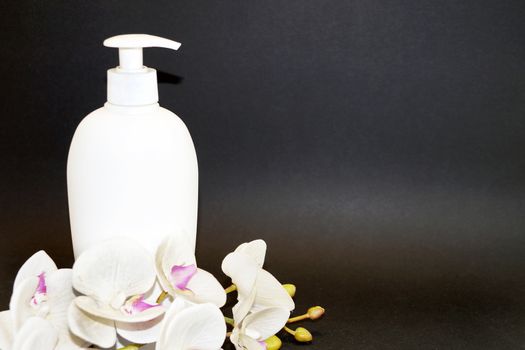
(412, 295)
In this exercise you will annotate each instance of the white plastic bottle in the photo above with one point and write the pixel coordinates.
(132, 168)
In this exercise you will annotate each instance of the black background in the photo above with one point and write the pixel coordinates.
(377, 146)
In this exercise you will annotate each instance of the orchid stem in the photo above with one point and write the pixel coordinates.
(162, 296)
(292, 332)
(298, 318)
(229, 321)
(230, 289)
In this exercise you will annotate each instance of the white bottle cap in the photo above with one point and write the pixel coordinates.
(131, 83)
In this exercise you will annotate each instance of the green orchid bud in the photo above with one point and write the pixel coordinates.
(130, 347)
(290, 289)
(303, 335)
(315, 312)
(273, 343)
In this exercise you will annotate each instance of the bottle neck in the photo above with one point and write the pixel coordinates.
(137, 88)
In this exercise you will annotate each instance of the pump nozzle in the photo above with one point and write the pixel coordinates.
(131, 83)
(130, 48)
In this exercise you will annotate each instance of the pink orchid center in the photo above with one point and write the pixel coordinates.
(181, 275)
(262, 343)
(136, 304)
(40, 295)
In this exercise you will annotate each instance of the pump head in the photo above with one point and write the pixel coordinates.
(131, 83)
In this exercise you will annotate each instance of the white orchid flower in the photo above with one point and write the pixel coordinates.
(179, 275)
(255, 328)
(257, 288)
(37, 315)
(114, 278)
(189, 326)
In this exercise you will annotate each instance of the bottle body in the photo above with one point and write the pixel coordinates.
(132, 171)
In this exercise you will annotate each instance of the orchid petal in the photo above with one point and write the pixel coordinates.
(270, 293)
(20, 303)
(71, 343)
(265, 323)
(206, 289)
(162, 275)
(34, 266)
(252, 344)
(243, 307)
(255, 249)
(243, 342)
(243, 270)
(6, 330)
(178, 305)
(69, 346)
(177, 252)
(199, 327)
(142, 332)
(173, 251)
(36, 333)
(112, 269)
(91, 306)
(180, 276)
(59, 297)
(95, 330)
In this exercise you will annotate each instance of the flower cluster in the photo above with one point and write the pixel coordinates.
(119, 294)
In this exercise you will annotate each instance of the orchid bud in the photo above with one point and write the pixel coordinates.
(303, 335)
(130, 347)
(290, 289)
(273, 343)
(315, 312)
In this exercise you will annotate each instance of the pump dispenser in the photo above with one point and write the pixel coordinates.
(132, 168)
(132, 84)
